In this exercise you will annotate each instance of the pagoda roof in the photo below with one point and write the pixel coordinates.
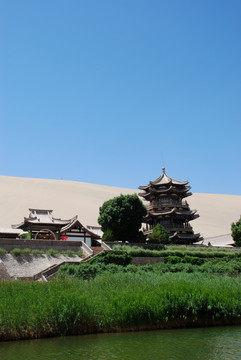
(163, 180)
(173, 189)
(174, 211)
(183, 191)
(76, 224)
(43, 216)
(182, 236)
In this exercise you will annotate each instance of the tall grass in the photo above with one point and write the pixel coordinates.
(171, 264)
(180, 251)
(112, 302)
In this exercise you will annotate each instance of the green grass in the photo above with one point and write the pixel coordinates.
(181, 251)
(16, 252)
(68, 252)
(49, 252)
(37, 252)
(2, 251)
(112, 302)
(80, 253)
(52, 252)
(171, 264)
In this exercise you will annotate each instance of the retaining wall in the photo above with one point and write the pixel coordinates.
(137, 260)
(10, 244)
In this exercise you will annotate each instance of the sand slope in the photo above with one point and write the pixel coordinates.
(70, 198)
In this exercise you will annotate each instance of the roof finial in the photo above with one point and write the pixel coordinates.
(163, 170)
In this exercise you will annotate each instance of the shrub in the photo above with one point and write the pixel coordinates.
(86, 271)
(68, 252)
(80, 253)
(2, 251)
(173, 259)
(109, 257)
(159, 235)
(37, 252)
(16, 252)
(52, 252)
(236, 232)
(194, 260)
(26, 251)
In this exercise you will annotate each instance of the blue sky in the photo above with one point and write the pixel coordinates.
(109, 91)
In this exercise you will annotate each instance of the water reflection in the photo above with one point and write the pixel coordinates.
(194, 344)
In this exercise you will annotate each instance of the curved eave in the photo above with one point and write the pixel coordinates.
(176, 182)
(53, 222)
(145, 195)
(164, 179)
(180, 236)
(184, 190)
(162, 213)
(144, 187)
(185, 212)
(171, 189)
(190, 214)
(173, 235)
(77, 224)
(18, 226)
(188, 236)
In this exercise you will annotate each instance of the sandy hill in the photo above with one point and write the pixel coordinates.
(70, 198)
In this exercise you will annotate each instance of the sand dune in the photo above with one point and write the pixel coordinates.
(70, 198)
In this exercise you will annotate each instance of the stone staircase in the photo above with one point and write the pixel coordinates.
(96, 249)
(51, 272)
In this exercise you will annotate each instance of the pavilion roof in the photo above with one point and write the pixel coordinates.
(76, 224)
(173, 211)
(43, 216)
(163, 180)
(186, 236)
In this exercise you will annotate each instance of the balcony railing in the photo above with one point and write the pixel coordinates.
(173, 227)
(159, 204)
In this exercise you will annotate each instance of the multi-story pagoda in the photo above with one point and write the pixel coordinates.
(168, 208)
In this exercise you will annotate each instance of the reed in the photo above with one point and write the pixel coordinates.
(115, 302)
(181, 251)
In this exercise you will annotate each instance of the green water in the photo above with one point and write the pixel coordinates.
(202, 344)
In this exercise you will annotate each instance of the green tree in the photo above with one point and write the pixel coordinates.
(236, 232)
(121, 218)
(159, 235)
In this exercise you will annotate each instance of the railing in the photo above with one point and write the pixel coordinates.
(174, 203)
(178, 227)
(86, 250)
(174, 227)
(104, 245)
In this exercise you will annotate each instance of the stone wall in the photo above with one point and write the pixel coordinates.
(10, 244)
(137, 260)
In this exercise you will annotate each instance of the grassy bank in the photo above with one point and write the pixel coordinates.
(181, 251)
(116, 302)
(187, 261)
(50, 252)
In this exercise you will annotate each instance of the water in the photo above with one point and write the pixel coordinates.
(185, 344)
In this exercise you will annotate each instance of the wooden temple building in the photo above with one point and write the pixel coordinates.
(167, 207)
(42, 225)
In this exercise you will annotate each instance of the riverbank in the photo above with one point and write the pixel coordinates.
(117, 302)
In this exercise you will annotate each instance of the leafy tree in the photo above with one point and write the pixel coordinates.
(108, 236)
(159, 235)
(236, 232)
(121, 218)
